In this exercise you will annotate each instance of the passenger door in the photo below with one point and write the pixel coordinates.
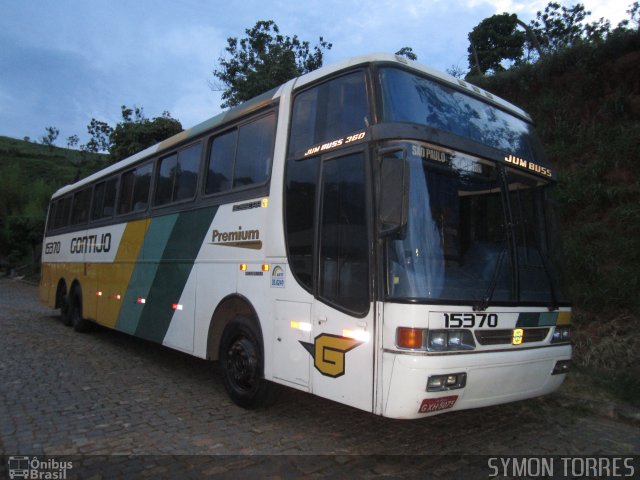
(343, 313)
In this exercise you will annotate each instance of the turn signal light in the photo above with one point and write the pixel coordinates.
(409, 337)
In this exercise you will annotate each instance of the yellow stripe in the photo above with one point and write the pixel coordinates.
(564, 318)
(113, 278)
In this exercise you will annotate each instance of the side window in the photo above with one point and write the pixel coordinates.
(241, 156)
(166, 175)
(178, 176)
(134, 190)
(52, 216)
(221, 158)
(301, 182)
(343, 249)
(104, 199)
(329, 111)
(63, 210)
(255, 150)
(80, 209)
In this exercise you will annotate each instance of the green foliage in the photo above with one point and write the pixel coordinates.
(263, 60)
(407, 52)
(135, 132)
(50, 137)
(100, 133)
(494, 40)
(29, 174)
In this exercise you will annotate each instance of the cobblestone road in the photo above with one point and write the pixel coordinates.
(122, 407)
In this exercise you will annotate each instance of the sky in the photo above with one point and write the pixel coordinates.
(65, 62)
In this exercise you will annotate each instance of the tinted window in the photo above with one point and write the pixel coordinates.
(62, 212)
(410, 98)
(241, 156)
(166, 174)
(343, 249)
(134, 196)
(301, 180)
(178, 176)
(255, 147)
(104, 199)
(80, 209)
(223, 154)
(329, 111)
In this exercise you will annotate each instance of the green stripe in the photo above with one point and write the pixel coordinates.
(174, 269)
(145, 271)
(537, 319)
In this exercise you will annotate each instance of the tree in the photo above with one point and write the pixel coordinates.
(72, 141)
(494, 40)
(263, 60)
(559, 26)
(136, 132)
(100, 133)
(50, 137)
(408, 53)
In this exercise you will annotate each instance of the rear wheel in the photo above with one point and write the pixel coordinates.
(65, 310)
(75, 312)
(241, 355)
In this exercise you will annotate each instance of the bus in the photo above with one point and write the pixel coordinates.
(373, 232)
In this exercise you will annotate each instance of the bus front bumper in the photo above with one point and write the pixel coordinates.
(490, 378)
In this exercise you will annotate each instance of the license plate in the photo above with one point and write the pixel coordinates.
(434, 404)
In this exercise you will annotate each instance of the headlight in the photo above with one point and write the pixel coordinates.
(434, 340)
(448, 340)
(561, 334)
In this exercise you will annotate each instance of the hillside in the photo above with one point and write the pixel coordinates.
(29, 174)
(586, 104)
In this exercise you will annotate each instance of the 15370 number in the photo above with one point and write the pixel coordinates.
(470, 320)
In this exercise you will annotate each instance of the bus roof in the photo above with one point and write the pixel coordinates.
(271, 96)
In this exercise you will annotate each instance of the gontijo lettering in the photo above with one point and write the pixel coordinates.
(91, 244)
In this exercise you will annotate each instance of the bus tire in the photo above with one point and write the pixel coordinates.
(75, 312)
(242, 360)
(65, 310)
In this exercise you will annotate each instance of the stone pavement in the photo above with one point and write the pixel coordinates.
(120, 407)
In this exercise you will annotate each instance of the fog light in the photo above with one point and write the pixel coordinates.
(435, 383)
(562, 366)
(440, 383)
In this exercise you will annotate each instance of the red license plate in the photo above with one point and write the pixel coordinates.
(434, 404)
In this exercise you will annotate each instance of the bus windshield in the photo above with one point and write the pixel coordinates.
(477, 232)
(407, 97)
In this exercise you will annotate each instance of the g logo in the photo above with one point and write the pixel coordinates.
(328, 352)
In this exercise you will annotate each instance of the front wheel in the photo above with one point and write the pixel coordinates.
(242, 359)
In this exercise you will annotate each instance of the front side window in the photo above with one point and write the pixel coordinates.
(343, 248)
(329, 111)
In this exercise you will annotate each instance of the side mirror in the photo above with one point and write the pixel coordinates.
(394, 190)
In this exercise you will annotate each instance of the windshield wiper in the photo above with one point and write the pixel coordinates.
(483, 304)
(552, 288)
